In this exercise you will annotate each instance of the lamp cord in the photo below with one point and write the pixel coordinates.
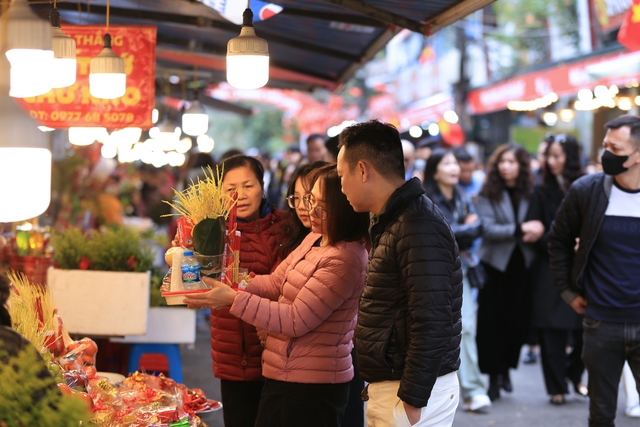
(4, 19)
(108, 15)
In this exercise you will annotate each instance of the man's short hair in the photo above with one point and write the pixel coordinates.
(314, 136)
(633, 122)
(376, 142)
(462, 155)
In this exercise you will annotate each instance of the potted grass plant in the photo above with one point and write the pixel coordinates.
(101, 281)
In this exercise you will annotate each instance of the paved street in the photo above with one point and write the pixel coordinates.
(527, 406)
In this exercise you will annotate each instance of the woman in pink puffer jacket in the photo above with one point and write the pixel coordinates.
(308, 306)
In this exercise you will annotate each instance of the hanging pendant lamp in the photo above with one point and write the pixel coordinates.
(195, 121)
(63, 69)
(247, 57)
(107, 79)
(29, 49)
(25, 159)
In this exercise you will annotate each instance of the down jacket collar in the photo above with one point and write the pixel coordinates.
(409, 191)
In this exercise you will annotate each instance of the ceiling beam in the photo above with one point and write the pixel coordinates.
(332, 16)
(456, 13)
(378, 44)
(218, 63)
(204, 23)
(381, 15)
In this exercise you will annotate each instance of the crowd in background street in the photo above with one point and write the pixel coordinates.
(504, 218)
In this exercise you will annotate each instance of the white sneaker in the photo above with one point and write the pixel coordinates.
(477, 403)
(633, 412)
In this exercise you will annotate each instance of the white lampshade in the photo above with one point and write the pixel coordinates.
(247, 57)
(87, 135)
(107, 79)
(25, 182)
(25, 159)
(63, 67)
(195, 121)
(29, 49)
(168, 135)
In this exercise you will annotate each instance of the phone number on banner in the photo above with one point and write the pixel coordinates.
(79, 116)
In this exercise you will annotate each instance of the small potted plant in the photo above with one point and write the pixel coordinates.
(101, 281)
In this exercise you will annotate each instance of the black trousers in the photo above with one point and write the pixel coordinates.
(240, 401)
(557, 365)
(606, 347)
(354, 414)
(286, 404)
(504, 309)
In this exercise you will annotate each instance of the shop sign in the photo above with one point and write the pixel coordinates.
(562, 79)
(610, 13)
(75, 107)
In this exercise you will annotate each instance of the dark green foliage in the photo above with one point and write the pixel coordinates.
(113, 249)
(208, 236)
(29, 398)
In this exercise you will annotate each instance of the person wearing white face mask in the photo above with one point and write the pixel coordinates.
(600, 280)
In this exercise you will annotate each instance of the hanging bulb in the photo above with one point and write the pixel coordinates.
(247, 57)
(63, 68)
(25, 159)
(29, 49)
(195, 121)
(107, 79)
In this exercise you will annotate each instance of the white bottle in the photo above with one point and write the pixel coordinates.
(190, 271)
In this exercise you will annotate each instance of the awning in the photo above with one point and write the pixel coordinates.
(562, 79)
(312, 43)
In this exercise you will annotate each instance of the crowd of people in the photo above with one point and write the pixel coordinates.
(440, 225)
(399, 274)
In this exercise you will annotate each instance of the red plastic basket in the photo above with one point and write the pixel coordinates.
(34, 267)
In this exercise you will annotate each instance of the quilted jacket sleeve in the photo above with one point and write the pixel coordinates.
(269, 286)
(492, 229)
(562, 241)
(427, 258)
(325, 291)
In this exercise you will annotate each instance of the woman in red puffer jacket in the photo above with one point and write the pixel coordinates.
(235, 346)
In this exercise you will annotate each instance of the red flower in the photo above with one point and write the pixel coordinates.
(84, 263)
(131, 262)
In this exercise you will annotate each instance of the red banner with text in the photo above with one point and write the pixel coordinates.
(74, 106)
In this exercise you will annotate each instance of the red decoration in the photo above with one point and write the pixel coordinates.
(131, 262)
(74, 106)
(84, 263)
(629, 34)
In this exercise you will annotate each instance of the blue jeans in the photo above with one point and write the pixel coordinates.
(469, 373)
(606, 347)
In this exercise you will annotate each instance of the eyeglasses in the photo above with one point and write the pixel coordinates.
(293, 201)
(310, 205)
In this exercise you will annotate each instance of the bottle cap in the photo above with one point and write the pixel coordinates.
(188, 253)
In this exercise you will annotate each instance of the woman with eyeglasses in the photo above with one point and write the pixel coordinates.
(309, 306)
(558, 325)
(296, 223)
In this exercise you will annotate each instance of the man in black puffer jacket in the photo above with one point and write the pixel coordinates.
(408, 332)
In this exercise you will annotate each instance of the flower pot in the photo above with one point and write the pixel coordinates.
(167, 325)
(101, 303)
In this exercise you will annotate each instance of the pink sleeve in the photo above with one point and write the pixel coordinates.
(270, 285)
(333, 282)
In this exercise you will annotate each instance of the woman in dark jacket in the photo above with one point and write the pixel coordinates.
(557, 324)
(235, 346)
(504, 303)
(441, 177)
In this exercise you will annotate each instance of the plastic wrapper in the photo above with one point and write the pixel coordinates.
(143, 400)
